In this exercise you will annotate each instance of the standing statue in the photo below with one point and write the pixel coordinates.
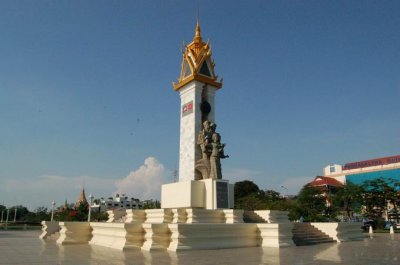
(212, 151)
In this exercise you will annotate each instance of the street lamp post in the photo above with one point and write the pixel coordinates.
(53, 203)
(8, 213)
(15, 215)
(90, 206)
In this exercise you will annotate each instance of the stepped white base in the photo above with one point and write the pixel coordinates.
(117, 235)
(135, 216)
(341, 231)
(273, 216)
(187, 229)
(212, 236)
(157, 216)
(49, 228)
(276, 235)
(157, 236)
(74, 233)
(115, 215)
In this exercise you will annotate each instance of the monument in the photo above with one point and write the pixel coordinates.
(201, 183)
(196, 212)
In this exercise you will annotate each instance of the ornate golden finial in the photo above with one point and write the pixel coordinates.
(197, 35)
(197, 63)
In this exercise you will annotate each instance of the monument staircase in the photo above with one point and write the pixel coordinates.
(307, 234)
(252, 217)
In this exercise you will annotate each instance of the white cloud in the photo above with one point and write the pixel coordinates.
(145, 182)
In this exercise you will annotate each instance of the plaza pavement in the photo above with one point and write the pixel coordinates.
(24, 247)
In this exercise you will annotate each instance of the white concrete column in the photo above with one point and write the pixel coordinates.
(190, 114)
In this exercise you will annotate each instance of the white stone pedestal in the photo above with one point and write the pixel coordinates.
(183, 194)
(208, 194)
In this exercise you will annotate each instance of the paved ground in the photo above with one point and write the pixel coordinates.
(24, 247)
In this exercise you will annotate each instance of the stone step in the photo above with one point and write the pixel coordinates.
(310, 236)
(252, 217)
(312, 242)
(306, 234)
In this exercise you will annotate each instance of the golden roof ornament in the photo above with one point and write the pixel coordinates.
(81, 198)
(197, 63)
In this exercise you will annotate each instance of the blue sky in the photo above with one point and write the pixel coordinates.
(86, 95)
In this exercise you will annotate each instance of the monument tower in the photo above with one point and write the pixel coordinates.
(196, 85)
(200, 176)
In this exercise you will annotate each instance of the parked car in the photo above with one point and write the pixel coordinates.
(369, 223)
(388, 224)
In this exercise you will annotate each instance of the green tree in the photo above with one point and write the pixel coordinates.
(248, 196)
(272, 196)
(99, 216)
(378, 193)
(250, 202)
(244, 188)
(395, 200)
(82, 211)
(41, 214)
(151, 204)
(22, 213)
(311, 205)
(349, 199)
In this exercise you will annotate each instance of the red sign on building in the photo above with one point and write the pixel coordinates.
(372, 162)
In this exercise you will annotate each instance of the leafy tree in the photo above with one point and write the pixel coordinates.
(22, 212)
(247, 196)
(99, 216)
(151, 204)
(42, 213)
(378, 193)
(395, 199)
(311, 205)
(272, 196)
(349, 199)
(62, 215)
(250, 202)
(82, 212)
(244, 188)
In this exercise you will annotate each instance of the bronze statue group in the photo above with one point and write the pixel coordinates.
(209, 165)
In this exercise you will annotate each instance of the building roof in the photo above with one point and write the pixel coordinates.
(325, 181)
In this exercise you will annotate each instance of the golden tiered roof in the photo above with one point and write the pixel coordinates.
(197, 63)
(81, 198)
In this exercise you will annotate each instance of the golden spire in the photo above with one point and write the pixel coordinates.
(81, 198)
(197, 63)
(197, 34)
